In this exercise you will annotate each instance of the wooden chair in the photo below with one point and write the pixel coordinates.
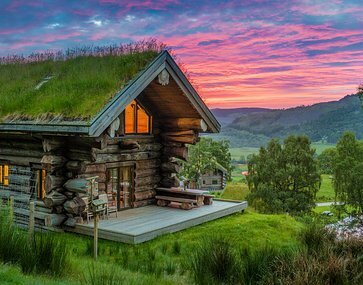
(88, 212)
(104, 198)
(111, 205)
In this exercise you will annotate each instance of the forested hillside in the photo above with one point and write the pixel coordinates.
(321, 122)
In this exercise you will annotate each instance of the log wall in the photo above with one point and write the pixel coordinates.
(23, 154)
(156, 160)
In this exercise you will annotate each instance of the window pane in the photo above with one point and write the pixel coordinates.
(130, 118)
(6, 175)
(142, 120)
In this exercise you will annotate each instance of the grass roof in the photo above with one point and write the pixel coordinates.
(80, 82)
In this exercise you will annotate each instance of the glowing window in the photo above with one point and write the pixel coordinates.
(4, 175)
(130, 118)
(137, 120)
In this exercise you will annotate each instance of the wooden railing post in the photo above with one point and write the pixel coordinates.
(95, 235)
(31, 219)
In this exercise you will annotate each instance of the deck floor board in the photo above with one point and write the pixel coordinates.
(145, 223)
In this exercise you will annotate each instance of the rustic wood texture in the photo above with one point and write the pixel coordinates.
(53, 199)
(145, 223)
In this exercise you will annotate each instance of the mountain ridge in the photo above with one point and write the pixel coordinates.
(324, 121)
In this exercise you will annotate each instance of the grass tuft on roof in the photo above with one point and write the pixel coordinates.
(69, 85)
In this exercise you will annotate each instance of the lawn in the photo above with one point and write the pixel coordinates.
(79, 88)
(235, 191)
(237, 175)
(162, 261)
(236, 153)
(326, 192)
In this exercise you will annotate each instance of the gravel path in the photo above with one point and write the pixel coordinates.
(328, 204)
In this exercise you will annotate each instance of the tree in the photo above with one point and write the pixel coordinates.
(284, 178)
(360, 91)
(326, 160)
(348, 173)
(205, 156)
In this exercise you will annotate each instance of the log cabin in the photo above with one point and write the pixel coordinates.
(215, 179)
(128, 135)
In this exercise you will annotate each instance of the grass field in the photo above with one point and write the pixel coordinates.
(326, 192)
(162, 261)
(238, 190)
(236, 153)
(235, 191)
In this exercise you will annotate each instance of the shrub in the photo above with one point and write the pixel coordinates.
(316, 238)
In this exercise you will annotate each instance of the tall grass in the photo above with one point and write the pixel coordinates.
(12, 242)
(320, 259)
(83, 80)
(45, 253)
(213, 261)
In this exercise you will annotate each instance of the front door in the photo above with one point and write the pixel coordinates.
(120, 185)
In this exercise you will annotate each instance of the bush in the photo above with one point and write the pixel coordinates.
(315, 237)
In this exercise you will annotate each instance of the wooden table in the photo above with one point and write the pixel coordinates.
(194, 195)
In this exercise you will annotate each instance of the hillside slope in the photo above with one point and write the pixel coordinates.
(323, 121)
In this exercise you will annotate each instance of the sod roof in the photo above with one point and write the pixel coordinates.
(68, 86)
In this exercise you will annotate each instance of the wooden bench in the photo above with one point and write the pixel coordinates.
(208, 199)
(185, 204)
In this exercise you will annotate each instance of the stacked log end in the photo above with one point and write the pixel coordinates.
(53, 161)
(176, 134)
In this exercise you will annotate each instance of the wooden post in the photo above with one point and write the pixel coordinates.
(31, 219)
(95, 235)
(11, 208)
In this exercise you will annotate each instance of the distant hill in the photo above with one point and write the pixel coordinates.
(227, 116)
(323, 121)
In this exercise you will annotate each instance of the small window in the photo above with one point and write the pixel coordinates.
(4, 175)
(214, 182)
(41, 173)
(137, 120)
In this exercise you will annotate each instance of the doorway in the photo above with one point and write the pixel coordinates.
(120, 186)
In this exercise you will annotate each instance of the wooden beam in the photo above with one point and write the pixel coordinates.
(186, 124)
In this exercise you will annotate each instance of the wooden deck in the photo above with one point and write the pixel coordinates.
(142, 224)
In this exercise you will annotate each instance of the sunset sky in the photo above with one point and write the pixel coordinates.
(239, 53)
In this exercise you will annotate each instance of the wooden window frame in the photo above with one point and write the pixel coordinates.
(135, 121)
(4, 178)
(39, 172)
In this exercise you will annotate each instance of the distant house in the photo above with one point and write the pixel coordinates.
(214, 180)
(119, 117)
